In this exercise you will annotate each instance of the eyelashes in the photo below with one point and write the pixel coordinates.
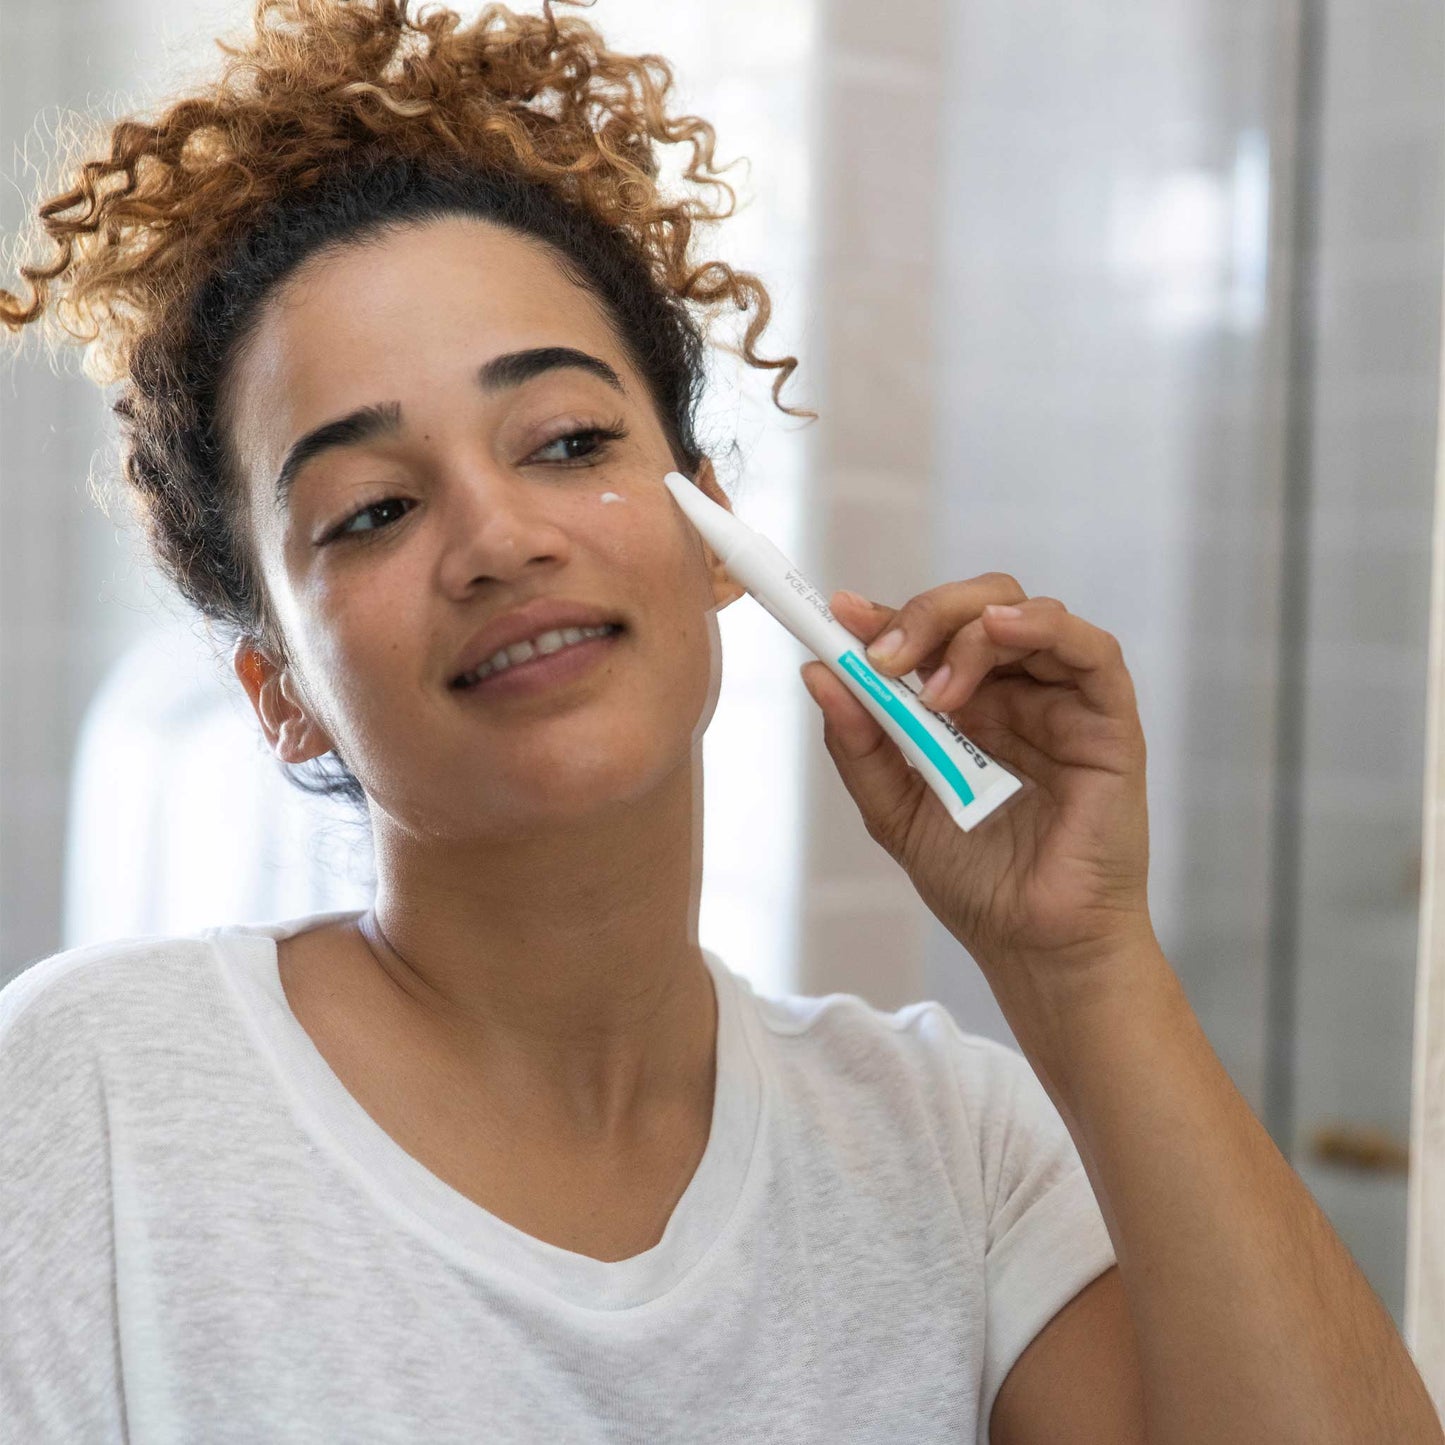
(606, 435)
(602, 437)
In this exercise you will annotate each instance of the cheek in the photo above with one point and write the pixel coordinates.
(631, 532)
(357, 634)
(656, 559)
(643, 530)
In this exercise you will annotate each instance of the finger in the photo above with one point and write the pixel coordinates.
(1005, 721)
(927, 623)
(974, 652)
(866, 619)
(1044, 728)
(1063, 647)
(862, 617)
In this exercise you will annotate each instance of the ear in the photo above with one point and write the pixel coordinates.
(724, 589)
(290, 732)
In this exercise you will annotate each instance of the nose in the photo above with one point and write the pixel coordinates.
(497, 527)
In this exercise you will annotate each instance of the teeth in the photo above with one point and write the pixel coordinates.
(548, 642)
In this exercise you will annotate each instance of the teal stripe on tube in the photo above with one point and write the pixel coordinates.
(905, 719)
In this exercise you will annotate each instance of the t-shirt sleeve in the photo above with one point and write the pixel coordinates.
(59, 1346)
(1045, 1234)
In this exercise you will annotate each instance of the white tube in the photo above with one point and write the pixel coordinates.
(970, 784)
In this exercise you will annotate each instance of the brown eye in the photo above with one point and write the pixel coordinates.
(597, 438)
(342, 528)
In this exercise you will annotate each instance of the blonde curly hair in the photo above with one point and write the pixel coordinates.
(334, 119)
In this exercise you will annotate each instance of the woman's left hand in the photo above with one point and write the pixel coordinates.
(1057, 879)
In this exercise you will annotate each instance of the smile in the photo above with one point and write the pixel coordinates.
(566, 655)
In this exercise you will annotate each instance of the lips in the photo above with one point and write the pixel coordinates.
(544, 673)
(583, 638)
(522, 624)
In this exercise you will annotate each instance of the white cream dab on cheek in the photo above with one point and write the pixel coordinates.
(610, 497)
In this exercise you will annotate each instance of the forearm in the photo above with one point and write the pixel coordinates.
(1253, 1323)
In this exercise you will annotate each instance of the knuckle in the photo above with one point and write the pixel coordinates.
(920, 620)
(964, 649)
(926, 608)
(1007, 582)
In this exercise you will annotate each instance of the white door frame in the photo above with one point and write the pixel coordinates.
(1425, 1236)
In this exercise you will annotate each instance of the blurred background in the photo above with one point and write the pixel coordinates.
(1139, 301)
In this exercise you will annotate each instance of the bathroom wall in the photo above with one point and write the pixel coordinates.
(68, 605)
(1425, 1236)
(880, 149)
(1381, 237)
(1115, 306)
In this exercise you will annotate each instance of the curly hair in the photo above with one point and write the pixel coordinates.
(336, 120)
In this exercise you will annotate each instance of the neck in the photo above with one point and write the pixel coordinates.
(560, 967)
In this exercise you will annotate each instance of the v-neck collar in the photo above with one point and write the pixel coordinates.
(248, 955)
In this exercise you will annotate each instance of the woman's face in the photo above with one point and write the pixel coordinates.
(477, 504)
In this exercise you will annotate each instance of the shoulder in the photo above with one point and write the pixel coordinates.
(847, 1033)
(81, 1101)
(980, 1100)
(93, 1041)
(65, 1004)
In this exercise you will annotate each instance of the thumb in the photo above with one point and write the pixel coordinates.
(874, 771)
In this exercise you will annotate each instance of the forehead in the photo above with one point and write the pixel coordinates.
(410, 309)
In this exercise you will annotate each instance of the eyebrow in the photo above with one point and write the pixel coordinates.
(379, 419)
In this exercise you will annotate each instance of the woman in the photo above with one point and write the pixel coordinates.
(404, 357)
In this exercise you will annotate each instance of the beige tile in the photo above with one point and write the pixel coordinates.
(913, 35)
(879, 153)
(877, 548)
(880, 392)
(876, 953)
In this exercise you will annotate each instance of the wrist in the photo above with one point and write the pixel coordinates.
(1063, 1011)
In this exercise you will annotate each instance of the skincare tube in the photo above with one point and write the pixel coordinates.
(970, 784)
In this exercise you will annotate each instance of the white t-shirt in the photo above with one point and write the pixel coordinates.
(204, 1238)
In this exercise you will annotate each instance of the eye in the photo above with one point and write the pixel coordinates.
(343, 529)
(600, 437)
(598, 440)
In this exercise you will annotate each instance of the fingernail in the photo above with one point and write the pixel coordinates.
(935, 686)
(994, 610)
(886, 645)
(854, 598)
